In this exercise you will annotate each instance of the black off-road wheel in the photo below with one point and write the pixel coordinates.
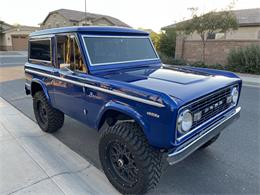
(207, 144)
(129, 162)
(49, 119)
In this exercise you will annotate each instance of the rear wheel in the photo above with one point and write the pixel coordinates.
(48, 118)
(129, 162)
(207, 144)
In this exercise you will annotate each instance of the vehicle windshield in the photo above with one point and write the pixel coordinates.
(104, 50)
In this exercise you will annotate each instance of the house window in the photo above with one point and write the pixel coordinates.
(211, 35)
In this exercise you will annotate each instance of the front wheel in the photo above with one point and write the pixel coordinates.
(129, 162)
(48, 118)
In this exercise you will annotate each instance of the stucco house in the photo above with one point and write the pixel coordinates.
(15, 37)
(66, 17)
(219, 45)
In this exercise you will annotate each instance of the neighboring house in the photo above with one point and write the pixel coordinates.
(65, 17)
(219, 45)
(15, 37)
(4, 26)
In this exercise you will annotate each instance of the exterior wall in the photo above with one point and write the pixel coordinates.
(4, 26)
(7, 38)
(247, 33)
(102, 22)
(83, 23)
(179, 47)
(56, 20)
(5, 48)
(216, 51)
(1, 41)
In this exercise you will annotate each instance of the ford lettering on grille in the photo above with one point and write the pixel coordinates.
(210, 106)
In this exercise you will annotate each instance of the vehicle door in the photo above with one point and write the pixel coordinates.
(70, 71)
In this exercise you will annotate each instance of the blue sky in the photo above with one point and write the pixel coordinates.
(152, 14)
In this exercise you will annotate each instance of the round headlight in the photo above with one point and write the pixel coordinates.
(185, 121)
(234, 94)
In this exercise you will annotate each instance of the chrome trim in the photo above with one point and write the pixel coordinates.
(33, 39)
(179, 126)
(41, 36)
(116, 36)
(121, 62)
(211, 119)
(37, 60)
(149, 102)
(158, 57)
(183, 151)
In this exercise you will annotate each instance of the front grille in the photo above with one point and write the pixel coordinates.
(210, 106)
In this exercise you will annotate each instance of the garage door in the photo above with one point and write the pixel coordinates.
(20, 42)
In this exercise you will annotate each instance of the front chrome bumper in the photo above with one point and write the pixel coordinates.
(183, 151)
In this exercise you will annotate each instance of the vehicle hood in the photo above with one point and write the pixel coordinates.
(182, 83)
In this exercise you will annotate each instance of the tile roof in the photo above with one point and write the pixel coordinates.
(77, 16)
(245, 17)
(248, 16)
(21, 28)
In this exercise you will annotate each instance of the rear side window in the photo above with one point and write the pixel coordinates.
(40, 50)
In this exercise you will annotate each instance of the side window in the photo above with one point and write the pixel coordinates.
(68, 53)
(40, 50)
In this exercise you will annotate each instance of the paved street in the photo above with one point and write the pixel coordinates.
(229, 166)
(12, 58)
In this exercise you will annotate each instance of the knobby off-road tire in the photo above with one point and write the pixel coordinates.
(129, 162)
(207, 144)
(48, 118)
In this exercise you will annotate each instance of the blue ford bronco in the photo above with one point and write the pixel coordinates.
(113, 76)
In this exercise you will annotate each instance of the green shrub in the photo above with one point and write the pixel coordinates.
(165, 59)
(246, 60)
(199, 64)
(167, 42)
(170, 60)
(176, 61)
(213, 66)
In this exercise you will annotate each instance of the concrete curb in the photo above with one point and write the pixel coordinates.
(250, 80)
(34, 162)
